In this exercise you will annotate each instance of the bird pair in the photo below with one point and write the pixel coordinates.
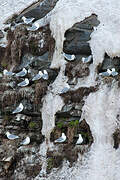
(109, 72)
(26, 141)
(40, 75)
(63, 139)
(27, 21)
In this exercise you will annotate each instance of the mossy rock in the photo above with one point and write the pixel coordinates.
(32, 125)
(74, 123)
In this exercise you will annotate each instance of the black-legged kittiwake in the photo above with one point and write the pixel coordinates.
(45, 75)
(107, 73)
(18, 109)
(24, 83)
(69, 57)
(34, 27)
(11, 136)
(26, 141)
(27, 20)
(87, 59)
(38, 76)
(61, 139)
(80, 139)
(22, 73)
(8, 73)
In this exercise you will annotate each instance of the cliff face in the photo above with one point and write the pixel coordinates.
(89, 107)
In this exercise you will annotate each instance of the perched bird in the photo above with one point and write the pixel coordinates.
(69, 57)
(22, 73)
(107, 73)
(27, 20)
(87, 59)
(80, 139)
(11, 136)
(34, 27)
(61, 139)
(38, 76)
(8, 73)
(26, 141)
(24, 83)
(18, 109)
(45, 75)
(113, 72)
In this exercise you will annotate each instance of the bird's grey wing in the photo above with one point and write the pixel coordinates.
(59, 139)
(45, 76)
(104, 74)
(114, 73)
(23, 141)
(21, 73)
(11, 136)
(23, 83)
(36, 77)
(18, 109)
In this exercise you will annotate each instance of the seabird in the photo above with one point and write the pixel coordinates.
(45, 75)
(87, 59)
(107, 73)
(24, 83)
(61, 139)
(18, 109)
(22, 73)
(38, 76)
(64, 90)
(69, 57)
(8, 73)
(11, 136)
(26, 141)
(113, 72)
(80, 139)
(27, 20)
(34, 27)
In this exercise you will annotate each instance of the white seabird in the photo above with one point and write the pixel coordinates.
(107, 73)
(22, 73)
(45, 75)
(38, 76)
(61, 139)
(26, 141)
(69, 57)
(27, 20)
(64, 90)
(24, 83)
(114, 72)
(80, 139)
(87, 59)
(8, 73)
(34, 27)
(11, 136)
(18, 109)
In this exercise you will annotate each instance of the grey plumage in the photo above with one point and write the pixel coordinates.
(22, 73)
(69, 57)
(18, 109)
(24, 83)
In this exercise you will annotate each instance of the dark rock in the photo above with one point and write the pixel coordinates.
(78, 36)
(39, 10)
(1, 34)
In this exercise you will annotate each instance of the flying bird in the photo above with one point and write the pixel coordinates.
(24, 83)
(38, 76)
(87, 59)
(22, 73)
(11, 136)
(80, 140)
(69, 57)
(8, 73)
(61, 139)
(27, 20)
(26, 141)
(45, 75)
(18, 109)
(34, 27)
(107, 73)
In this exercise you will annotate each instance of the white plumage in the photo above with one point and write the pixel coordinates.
(80, 140)
(87, 59)
(34, 27)
(22, 73)
(18, 109)
(27, 20)
(69, 57)
(38, 76)
(45, 75)
(8, 73)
